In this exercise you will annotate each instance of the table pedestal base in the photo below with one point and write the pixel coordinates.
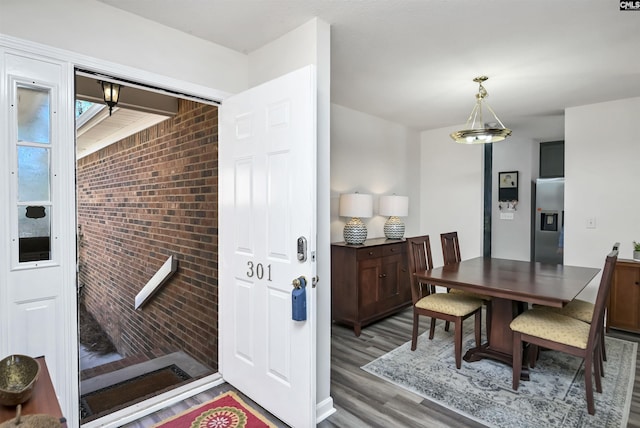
(485, 351)
(499, 346)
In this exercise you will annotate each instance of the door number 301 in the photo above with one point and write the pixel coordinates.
(258, 270)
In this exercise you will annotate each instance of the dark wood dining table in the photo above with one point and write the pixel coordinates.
(512, 284)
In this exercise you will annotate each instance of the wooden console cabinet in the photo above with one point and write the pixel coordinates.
(368, 281)
(623, 309)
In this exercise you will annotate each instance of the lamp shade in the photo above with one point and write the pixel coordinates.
(392, 205)
(110, 93)
(356, 205)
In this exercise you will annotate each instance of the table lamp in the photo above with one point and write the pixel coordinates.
(394, 207)
(355, 205)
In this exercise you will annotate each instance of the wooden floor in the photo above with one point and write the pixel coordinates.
(363, 400)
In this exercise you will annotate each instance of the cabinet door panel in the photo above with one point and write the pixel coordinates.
(389, 283)
(625, 297)
(369, 276)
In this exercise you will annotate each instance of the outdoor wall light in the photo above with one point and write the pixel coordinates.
(110, 93)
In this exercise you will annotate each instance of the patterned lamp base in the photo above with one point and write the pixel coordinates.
(355, 232)
(394, 228)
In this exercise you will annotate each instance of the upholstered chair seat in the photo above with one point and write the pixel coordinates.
(446, 303)
(552, 326)
(580, 310)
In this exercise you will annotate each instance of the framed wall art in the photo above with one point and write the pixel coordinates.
(508, 186)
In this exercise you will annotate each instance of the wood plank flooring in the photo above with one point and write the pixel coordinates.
(363, 400)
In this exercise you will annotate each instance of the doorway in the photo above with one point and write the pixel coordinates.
(142, 198)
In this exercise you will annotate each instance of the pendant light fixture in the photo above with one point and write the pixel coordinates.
(477, 130)
(110, 93)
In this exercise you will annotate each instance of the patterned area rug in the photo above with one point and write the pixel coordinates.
(554, 397)
(227, 410)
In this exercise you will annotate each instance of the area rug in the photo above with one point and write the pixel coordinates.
(130, 390)
(227, 410)
(554, 397)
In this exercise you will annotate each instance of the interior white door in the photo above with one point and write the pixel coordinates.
(267, 196)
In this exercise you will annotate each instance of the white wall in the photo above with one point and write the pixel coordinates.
(511, 239)
(602, 170)
(294, 50)
(98, 30)
(375, 156)
(451, 192)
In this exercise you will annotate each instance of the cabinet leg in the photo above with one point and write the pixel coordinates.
(356, 329)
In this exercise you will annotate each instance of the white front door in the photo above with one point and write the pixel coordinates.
(267, 196)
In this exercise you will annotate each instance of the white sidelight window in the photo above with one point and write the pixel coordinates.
(31, 179)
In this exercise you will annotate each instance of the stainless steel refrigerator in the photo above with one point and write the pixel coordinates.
(548, 233)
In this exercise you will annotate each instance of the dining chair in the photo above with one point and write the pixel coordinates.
(451, 255)
(580, 310)
(558, 332)
(450, 248)
(445, 306)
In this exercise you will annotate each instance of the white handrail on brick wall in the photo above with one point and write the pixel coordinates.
(159, 278)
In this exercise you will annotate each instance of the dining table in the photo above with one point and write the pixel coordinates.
(512, 285)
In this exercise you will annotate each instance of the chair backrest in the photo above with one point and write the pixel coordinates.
(603, 294)
(450, 248)
(419, 253)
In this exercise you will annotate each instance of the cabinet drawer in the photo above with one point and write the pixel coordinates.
(369, 253)
(391, 249)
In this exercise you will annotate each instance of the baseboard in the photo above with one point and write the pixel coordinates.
(324, 409)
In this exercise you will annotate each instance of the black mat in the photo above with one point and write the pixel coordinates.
(130, 391)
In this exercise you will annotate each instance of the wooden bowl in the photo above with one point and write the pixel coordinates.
(18, 375)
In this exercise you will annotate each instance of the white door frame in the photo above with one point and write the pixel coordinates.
(68, 342)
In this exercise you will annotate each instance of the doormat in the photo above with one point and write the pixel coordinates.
(134, 389)
(227, 410)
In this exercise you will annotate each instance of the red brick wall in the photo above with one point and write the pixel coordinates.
(140, 200)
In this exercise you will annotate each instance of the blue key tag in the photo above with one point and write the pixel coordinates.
(299, 301)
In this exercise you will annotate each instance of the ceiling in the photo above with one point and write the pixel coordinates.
(103, 130)
(136, 110)
(413, 61)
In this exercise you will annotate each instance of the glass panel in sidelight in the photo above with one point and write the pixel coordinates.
(33, 174)
(34, 231)
(34, 112)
